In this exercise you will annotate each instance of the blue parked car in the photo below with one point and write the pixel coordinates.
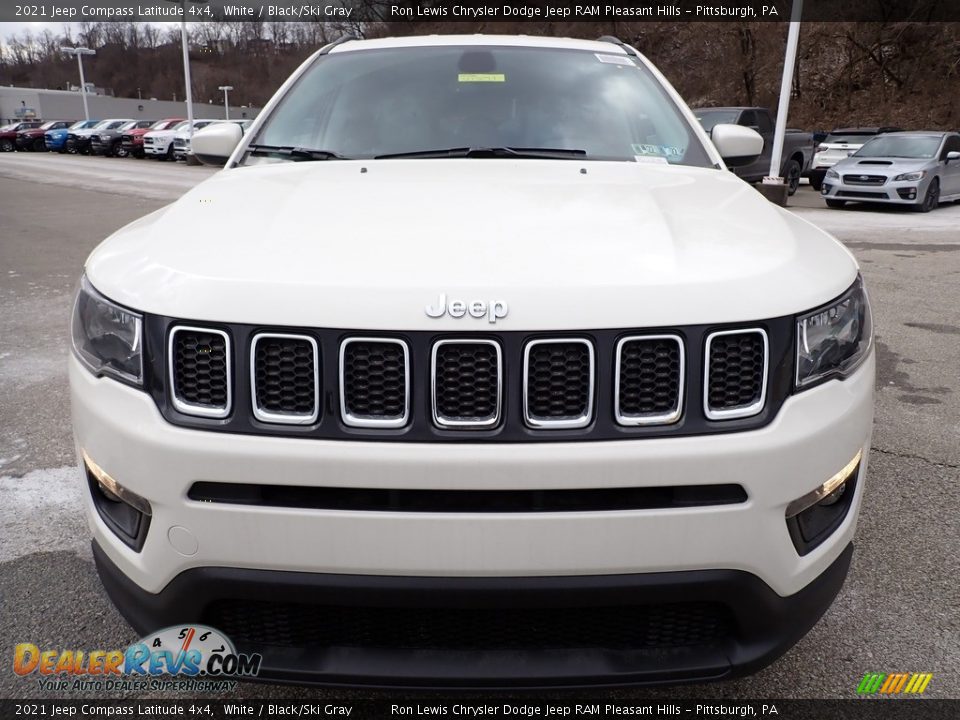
(57, 139)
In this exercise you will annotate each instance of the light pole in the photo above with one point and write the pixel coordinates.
(226, 99)
(186, 58)
(80, 52)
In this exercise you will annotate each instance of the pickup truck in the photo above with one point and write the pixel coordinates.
(798, 146)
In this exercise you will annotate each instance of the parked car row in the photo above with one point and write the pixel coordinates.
(919, 169)
(165, 139)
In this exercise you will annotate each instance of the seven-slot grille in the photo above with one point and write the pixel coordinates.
(649, 380)
(644, 384)
(467, 383)
(200, 371)
(735, 374)
(285, 378)
(374, 382)
(558, 383)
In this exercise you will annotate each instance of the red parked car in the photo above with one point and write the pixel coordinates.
(8, 134)
(32, 139)
(132, 141)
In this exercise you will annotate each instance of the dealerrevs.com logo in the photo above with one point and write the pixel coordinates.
(196, 656)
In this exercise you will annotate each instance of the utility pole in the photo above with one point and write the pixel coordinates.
(80, 52)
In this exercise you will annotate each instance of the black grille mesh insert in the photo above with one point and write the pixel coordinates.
(284, 370)
(649, 377)
(374, 379)
(467, 381)
(736, 370)
(627, 627)
(200, 368)
(558, 380)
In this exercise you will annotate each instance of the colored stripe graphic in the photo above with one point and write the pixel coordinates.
(894, 683)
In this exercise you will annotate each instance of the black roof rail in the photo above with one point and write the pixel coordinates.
(617, 41)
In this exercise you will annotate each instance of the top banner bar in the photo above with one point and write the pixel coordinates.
(440, 11)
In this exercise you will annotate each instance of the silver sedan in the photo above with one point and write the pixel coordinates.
(919, 169)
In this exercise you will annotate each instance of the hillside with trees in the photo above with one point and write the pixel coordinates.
(905, 74)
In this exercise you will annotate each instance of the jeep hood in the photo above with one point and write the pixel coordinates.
(566, 244)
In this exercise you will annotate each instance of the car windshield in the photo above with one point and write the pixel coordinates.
(129, 125)
(180, 125)
(83, 124)
(409, 101)
(901, 146)
(47, 125)
(850, 138)
(709, 118)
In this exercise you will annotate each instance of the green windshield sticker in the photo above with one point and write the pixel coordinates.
(481, 77)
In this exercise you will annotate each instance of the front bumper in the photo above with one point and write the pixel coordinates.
(195, 551)
(903, 192)
(757, 624)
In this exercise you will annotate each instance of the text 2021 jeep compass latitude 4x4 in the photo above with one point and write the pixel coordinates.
(475, 367)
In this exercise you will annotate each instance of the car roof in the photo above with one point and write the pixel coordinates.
(921, 133)
(480, 39)
(863, 130)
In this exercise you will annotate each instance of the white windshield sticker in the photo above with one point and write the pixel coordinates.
(658, 160)
(614, 59)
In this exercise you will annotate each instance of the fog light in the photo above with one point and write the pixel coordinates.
(122, 510)
(812, 518)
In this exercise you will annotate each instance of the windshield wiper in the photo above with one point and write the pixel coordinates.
(490, 152)
(295, 153)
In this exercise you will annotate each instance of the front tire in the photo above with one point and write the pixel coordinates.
(6, 145)
(816, 184)
(836, 203)
(932, 199)
(40, 145)
(119, 150)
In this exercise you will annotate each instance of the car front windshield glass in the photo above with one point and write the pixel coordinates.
(901, 146)
(709, 118)
(369, 103)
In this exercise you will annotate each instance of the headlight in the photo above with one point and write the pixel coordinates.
(911, 175)
(834, 340)
(833, 175)
(107, 338)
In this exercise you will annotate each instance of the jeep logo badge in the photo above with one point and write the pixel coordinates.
(493, 310)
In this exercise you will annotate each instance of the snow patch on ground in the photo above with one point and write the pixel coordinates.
(43, 511)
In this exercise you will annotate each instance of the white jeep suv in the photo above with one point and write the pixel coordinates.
(475, 367)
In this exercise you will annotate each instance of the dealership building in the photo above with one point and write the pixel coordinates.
(32, 103)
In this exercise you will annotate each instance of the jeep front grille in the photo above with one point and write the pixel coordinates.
(558, 383)
(374, 382)
(467, 383)
(199, 361)
(736, 373)
(285, 382)
(648, 388)
(481, 386)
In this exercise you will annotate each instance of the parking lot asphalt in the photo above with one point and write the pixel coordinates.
(897, 611)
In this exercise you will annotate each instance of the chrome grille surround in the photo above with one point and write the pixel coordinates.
(269, 416)
(745, 410)
(653, 418)
(188, 408)
(465, 422)
(367, 421)
(547, 423)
